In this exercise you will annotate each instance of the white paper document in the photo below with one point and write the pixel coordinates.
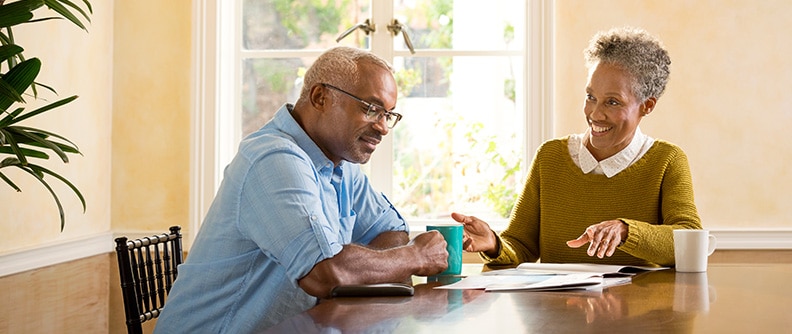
(557, 282)
(551, 277)
(571, 268)
(528, 282)
(481, 282)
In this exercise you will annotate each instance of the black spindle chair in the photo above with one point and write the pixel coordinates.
(147, 266)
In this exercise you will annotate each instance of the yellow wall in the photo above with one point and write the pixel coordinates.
(131, 122)
(725, 106)
(151, 115)
(74, 62)
(727, 103)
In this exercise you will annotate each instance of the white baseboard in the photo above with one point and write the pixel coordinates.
(744, 239)
(55, 253)
(69, 250)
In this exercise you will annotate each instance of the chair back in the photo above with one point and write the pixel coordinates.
(147, 267)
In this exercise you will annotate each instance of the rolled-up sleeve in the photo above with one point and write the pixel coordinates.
(284, 213)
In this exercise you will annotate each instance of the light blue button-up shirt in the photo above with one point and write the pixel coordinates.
(282, 207)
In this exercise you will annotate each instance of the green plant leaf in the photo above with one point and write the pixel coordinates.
(23, 142)
(77, 8)
(18, 12)
(72, 147)
(9, 138)
(20, 77)
(65, 12)
(10, 117)
(40, 177)
(43, 109)
(63, 179)
(63, 147)
(7, 92)
(39, 173)
(26, 151)
(8, 181)
(9, 50)
(37, 139)
(10, 161)
(45, 86)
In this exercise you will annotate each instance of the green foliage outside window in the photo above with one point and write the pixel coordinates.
(423, 172)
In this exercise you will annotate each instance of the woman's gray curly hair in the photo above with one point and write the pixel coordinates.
(635, 51)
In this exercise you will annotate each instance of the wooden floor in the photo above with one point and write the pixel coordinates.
(84, 296)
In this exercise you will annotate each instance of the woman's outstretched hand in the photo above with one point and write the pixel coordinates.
(604, 238)
(478, 236)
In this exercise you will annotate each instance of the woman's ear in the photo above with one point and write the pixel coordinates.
(648, 106)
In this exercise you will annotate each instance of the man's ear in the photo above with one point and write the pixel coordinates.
(318, 97)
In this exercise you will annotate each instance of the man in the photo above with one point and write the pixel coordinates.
(295, 216)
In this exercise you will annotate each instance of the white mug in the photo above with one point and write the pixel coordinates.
(691, 249)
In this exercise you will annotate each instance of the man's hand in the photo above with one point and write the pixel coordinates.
(430, 251)
(604, 238)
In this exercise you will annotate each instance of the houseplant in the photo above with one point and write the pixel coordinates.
(21, 145)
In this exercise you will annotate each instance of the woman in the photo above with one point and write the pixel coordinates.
(624, 191)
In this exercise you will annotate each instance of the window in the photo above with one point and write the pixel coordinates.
(468, 131)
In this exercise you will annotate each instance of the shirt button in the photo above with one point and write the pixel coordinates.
(313, 217)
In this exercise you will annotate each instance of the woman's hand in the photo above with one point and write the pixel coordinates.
(478, 236)
(604, 238)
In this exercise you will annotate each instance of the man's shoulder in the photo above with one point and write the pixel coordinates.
(263, 143)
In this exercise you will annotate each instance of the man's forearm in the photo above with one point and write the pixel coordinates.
(359, 265)
(389, 240)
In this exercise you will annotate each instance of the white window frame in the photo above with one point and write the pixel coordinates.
(212, 79)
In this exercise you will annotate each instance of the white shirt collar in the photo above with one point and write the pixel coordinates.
(614, 164)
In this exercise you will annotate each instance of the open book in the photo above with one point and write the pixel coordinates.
(550, 277)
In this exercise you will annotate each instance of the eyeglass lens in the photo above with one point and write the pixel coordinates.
(375, 113)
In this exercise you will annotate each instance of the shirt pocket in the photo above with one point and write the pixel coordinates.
(347, 225)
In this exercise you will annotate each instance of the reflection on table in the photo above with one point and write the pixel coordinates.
(726, 299)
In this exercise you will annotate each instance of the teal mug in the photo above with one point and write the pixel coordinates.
(452, 233)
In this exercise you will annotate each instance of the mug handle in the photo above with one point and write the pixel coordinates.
(712, 244)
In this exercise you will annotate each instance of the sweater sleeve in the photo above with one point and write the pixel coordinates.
(655, 243)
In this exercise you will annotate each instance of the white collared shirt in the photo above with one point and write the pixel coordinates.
(613, 165)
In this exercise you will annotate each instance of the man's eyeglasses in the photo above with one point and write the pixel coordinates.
(374, 112)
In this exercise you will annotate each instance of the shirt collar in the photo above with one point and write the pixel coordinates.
(614, 164)
(284, 121)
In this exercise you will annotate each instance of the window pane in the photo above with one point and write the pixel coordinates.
(266, 85)
(460, 143)
(302, 24)
(462, 25)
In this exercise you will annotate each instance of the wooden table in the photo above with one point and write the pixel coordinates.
(729, 298)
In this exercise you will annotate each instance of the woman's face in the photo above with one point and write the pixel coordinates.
(612, 110)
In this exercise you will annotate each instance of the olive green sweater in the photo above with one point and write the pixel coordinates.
(653, 197)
